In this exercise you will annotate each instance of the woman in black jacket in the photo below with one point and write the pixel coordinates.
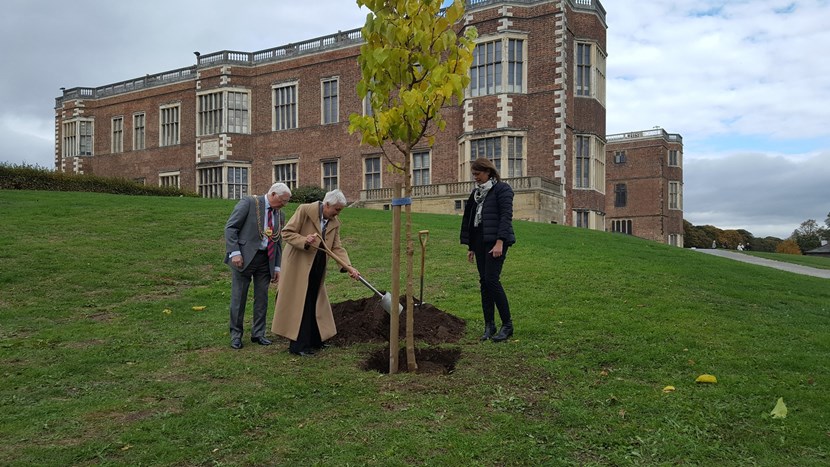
(487, 230)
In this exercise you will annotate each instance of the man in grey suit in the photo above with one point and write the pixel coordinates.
(253, 250)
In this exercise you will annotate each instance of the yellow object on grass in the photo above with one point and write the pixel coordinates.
(668, 389)
(706, 379)
(780, 410)
(199, 308)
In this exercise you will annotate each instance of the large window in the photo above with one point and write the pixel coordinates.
(170, 179)
(330, 91)
(622, 226)
(589, 163)
(77, 138)
(169, 125)
(213, 108)
(138, 131)
(214, 182)
(675, 195)
(329, 170)
(117, 142)
(285, 107)
(371, 173)
(237, 182)
(286, 172)
(590, 71)
(238, 112)
(674, 158)
(498, 66)
(420, 168)
(505, 151)
(620, 195)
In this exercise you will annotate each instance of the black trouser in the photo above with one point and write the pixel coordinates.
(492, 292)
(258, 270)
(308, 337)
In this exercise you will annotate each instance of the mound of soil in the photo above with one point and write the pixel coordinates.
(365, 320)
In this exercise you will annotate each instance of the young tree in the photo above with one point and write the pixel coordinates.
(413, 63)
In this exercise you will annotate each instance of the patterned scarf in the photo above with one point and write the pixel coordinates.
(478, 196)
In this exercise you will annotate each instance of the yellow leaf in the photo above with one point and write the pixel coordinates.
(668, 389)
(780, 410)
(126, 447)
(167, 311)
(199, 308)
(706, 379)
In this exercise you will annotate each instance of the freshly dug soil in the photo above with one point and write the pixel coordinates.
(365, 320)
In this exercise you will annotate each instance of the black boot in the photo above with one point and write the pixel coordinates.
(489, 330)
(505, 332)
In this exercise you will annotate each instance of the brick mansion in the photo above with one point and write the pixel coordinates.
(234, 122)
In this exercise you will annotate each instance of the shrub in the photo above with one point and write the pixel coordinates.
(27, 177)
(788, 247)
(307, 194)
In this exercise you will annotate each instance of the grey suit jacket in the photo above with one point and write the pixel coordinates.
(242, 232)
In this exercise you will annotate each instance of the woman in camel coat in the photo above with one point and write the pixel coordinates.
(303, 312)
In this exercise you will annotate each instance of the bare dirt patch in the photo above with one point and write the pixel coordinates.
(365, 321)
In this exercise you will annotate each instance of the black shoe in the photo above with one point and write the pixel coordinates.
(505, 332)
(302, 353)
(261, 340)
(236, 343)
(489, 331)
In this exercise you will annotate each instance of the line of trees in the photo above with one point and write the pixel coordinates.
(806, 237)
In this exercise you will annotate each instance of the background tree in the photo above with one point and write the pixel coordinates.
(808, 235)
(413, 63)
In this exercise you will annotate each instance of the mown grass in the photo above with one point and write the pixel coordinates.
(803, 260)
(95, 372)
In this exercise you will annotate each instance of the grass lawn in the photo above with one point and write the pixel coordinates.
(802, 260)
(104, 361)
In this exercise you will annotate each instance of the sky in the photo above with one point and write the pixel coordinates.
(744, 82)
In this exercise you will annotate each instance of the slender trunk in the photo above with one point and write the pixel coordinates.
(412, 365)
(394, 322)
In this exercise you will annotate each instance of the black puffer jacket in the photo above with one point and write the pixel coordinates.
(496, 216)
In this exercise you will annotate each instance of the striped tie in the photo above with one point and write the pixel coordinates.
(271, 246)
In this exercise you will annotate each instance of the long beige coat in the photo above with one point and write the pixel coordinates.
(297, 258)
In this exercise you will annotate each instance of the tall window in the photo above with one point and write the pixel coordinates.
(210, 182)
(590, 71)
(285, 107)
(77, 138)
(117, 134)
(674, 158)
(675, 196)
(494, 148)
(620, 195)
(489, 71)
(329, 175)
(367, 105)
(170, 179)
(85, 135)
(237, 182)
(581, 219)
(420, 168)
(214, 107)
(210, 113)
(169, 123)
(371, 173)
(238, 112)
(286, 172)
(589, 163)
(138, 131)
(622, 226)
(330, 91)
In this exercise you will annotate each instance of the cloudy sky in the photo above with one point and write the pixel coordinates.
(745, 82)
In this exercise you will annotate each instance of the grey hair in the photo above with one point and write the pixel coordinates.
(335, 198)
(280, 189)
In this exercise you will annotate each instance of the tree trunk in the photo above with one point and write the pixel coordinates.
(394, 320)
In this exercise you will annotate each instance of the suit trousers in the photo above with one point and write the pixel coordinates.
(259, 271)
(492, 292)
